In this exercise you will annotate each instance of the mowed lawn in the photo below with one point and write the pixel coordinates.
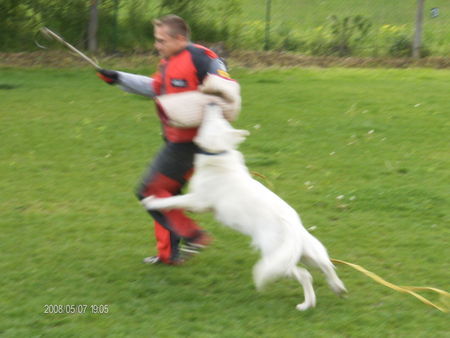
(363, 155)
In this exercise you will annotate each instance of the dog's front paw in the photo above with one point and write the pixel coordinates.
(149, 202)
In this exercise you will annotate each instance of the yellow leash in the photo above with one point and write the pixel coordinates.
(404, 289)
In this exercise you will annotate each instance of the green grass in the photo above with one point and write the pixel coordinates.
(72, 232)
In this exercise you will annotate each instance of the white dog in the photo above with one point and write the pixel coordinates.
(223, 184)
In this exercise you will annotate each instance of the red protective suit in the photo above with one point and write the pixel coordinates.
(173, 166)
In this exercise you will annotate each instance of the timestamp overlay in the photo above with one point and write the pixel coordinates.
(76, 309)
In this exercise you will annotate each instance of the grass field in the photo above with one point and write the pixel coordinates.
(361, 154)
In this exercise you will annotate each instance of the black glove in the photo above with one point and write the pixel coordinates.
(109, 76)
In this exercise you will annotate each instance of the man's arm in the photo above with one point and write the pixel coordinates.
(131, 83)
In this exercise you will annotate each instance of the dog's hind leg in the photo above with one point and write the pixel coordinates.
(316, 255)
(305, 279)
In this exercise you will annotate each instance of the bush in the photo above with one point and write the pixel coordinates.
(401, 47)
(248, 35)
(348, 33)
(16, 26)
(204, 26)
(340, 37)
(289, 40)
(136, 29)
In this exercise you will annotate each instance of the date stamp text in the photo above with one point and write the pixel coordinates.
(76, 309)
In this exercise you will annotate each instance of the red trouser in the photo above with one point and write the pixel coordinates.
(166, 176)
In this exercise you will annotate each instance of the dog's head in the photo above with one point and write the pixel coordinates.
(216, 134)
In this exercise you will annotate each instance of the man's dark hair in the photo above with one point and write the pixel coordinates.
(177, 25)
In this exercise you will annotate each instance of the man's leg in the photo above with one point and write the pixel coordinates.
(166, 244)
(167, 175)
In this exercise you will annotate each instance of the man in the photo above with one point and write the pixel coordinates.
(182, 68)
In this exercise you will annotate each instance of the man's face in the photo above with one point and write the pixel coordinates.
(166, 44)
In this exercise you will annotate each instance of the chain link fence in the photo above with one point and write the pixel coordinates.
(345, 27)
(311, 27)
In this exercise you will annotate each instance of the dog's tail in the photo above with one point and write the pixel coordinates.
(315, 254)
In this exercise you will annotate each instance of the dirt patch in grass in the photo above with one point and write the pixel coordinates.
(246, 59)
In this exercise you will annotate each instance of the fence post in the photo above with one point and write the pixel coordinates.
(267, 30)
(93, 26)
(417, 44)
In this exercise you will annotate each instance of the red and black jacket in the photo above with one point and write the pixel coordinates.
(184, 72)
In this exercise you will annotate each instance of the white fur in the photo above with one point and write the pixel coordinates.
(223, 184)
